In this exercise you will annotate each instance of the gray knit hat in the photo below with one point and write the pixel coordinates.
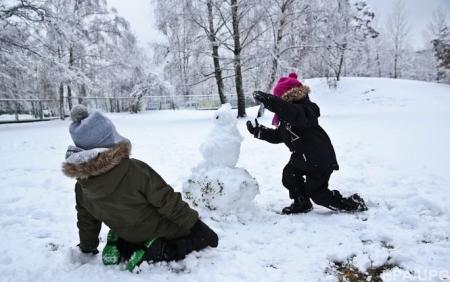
(93, 130)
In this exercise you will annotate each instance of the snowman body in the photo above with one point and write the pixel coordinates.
(223, 145)
(216, 183)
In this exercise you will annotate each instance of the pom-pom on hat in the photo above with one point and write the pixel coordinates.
(285, 84)
(93, 130)
(78, 113)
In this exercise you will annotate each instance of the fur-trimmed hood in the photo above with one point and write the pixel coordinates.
(104, 162)
(296, 94)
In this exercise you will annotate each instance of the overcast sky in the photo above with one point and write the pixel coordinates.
(140, 14)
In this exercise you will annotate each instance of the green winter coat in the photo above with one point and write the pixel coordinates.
(129, 197)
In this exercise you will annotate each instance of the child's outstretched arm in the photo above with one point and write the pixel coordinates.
(296, 115)
(261, 132)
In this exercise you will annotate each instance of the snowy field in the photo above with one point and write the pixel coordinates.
(392, 141)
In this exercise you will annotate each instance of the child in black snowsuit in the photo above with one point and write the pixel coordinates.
(313, 159)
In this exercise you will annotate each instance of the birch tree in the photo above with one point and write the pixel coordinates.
(211, 26)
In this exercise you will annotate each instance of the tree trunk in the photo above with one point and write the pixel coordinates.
(69, 89)
(82, 93)
(185, 55)
(438, 74)
(395, 65)
(237, 60)
(378, 65)
(341, 62)
(69, 97)
(16, 111)
(41, 111)
(61, 101)
(273, 72)
(215, 54)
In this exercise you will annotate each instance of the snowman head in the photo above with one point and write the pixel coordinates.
(224, 116)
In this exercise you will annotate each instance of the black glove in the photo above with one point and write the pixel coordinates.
(253, 129)
(93, 251)
(262, 97)
(204, 233)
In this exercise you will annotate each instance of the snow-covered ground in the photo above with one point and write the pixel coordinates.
(392, 142)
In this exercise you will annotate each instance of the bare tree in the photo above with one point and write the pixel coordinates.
(278, 27)
(243, 32)
(211, 30)
(215, 52)
(279, 14)
(175, 21)
(345, 28)
(398, 29)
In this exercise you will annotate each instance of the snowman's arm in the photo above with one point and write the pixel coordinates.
(268, 134)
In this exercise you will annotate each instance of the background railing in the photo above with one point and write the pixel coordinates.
(24, 110)
(28, 109)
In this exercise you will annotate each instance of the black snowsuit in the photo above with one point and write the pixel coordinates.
(313, 158)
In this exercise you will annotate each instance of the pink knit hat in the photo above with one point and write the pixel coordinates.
(283, 85)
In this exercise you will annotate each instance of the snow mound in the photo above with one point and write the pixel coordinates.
(221, 188)
(216, 184)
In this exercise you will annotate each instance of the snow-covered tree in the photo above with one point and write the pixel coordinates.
(150, 85)
(178, 55)
(17, 49)
(279, 15)
(74, 48)
(398, 29)
(439, 30)
(206, 15)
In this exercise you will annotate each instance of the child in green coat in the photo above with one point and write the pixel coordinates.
(147, 219)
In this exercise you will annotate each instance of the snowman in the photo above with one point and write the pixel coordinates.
(223, 145)
(216, 183)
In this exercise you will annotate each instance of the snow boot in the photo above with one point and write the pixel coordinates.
(300, 205)
(155, 250)
(354, 203)
(138, 256)
(110, 253)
